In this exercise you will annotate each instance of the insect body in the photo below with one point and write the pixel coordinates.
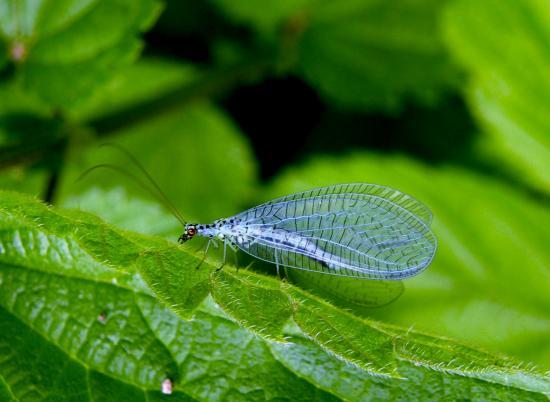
(353, 230)
(347, 231)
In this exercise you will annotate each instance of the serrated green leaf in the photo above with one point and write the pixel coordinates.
(349, 290)
(504, 47)
(489, 281)
(351, 383)
(105, 332)
(67, 49)
(70, 281)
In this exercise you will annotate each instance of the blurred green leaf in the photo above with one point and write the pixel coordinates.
(266, 19)
(119, 208)
(71, 288)
(375, 54)
(148, 79)
(504, 46)
(29, 142)
(29, 130)
(22, 180)
(489, 281)
(66, 50)
(359, 54)
(195, 153)
(15, 100)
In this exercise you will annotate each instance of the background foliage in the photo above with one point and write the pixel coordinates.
(229, 104)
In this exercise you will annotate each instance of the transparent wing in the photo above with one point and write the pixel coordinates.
(354, 230)
(405, 201)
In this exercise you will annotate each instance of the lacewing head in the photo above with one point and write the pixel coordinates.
(189, 231)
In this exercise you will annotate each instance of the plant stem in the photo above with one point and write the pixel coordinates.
(51, 186)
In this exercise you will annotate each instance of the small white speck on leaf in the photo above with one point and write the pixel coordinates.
(166, 387)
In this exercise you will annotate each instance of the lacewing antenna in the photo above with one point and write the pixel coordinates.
(148, 176)
(155, 191)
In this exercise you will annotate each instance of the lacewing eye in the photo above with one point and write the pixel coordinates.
(191, 231)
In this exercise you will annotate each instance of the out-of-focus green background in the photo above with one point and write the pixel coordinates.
(230, 103)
